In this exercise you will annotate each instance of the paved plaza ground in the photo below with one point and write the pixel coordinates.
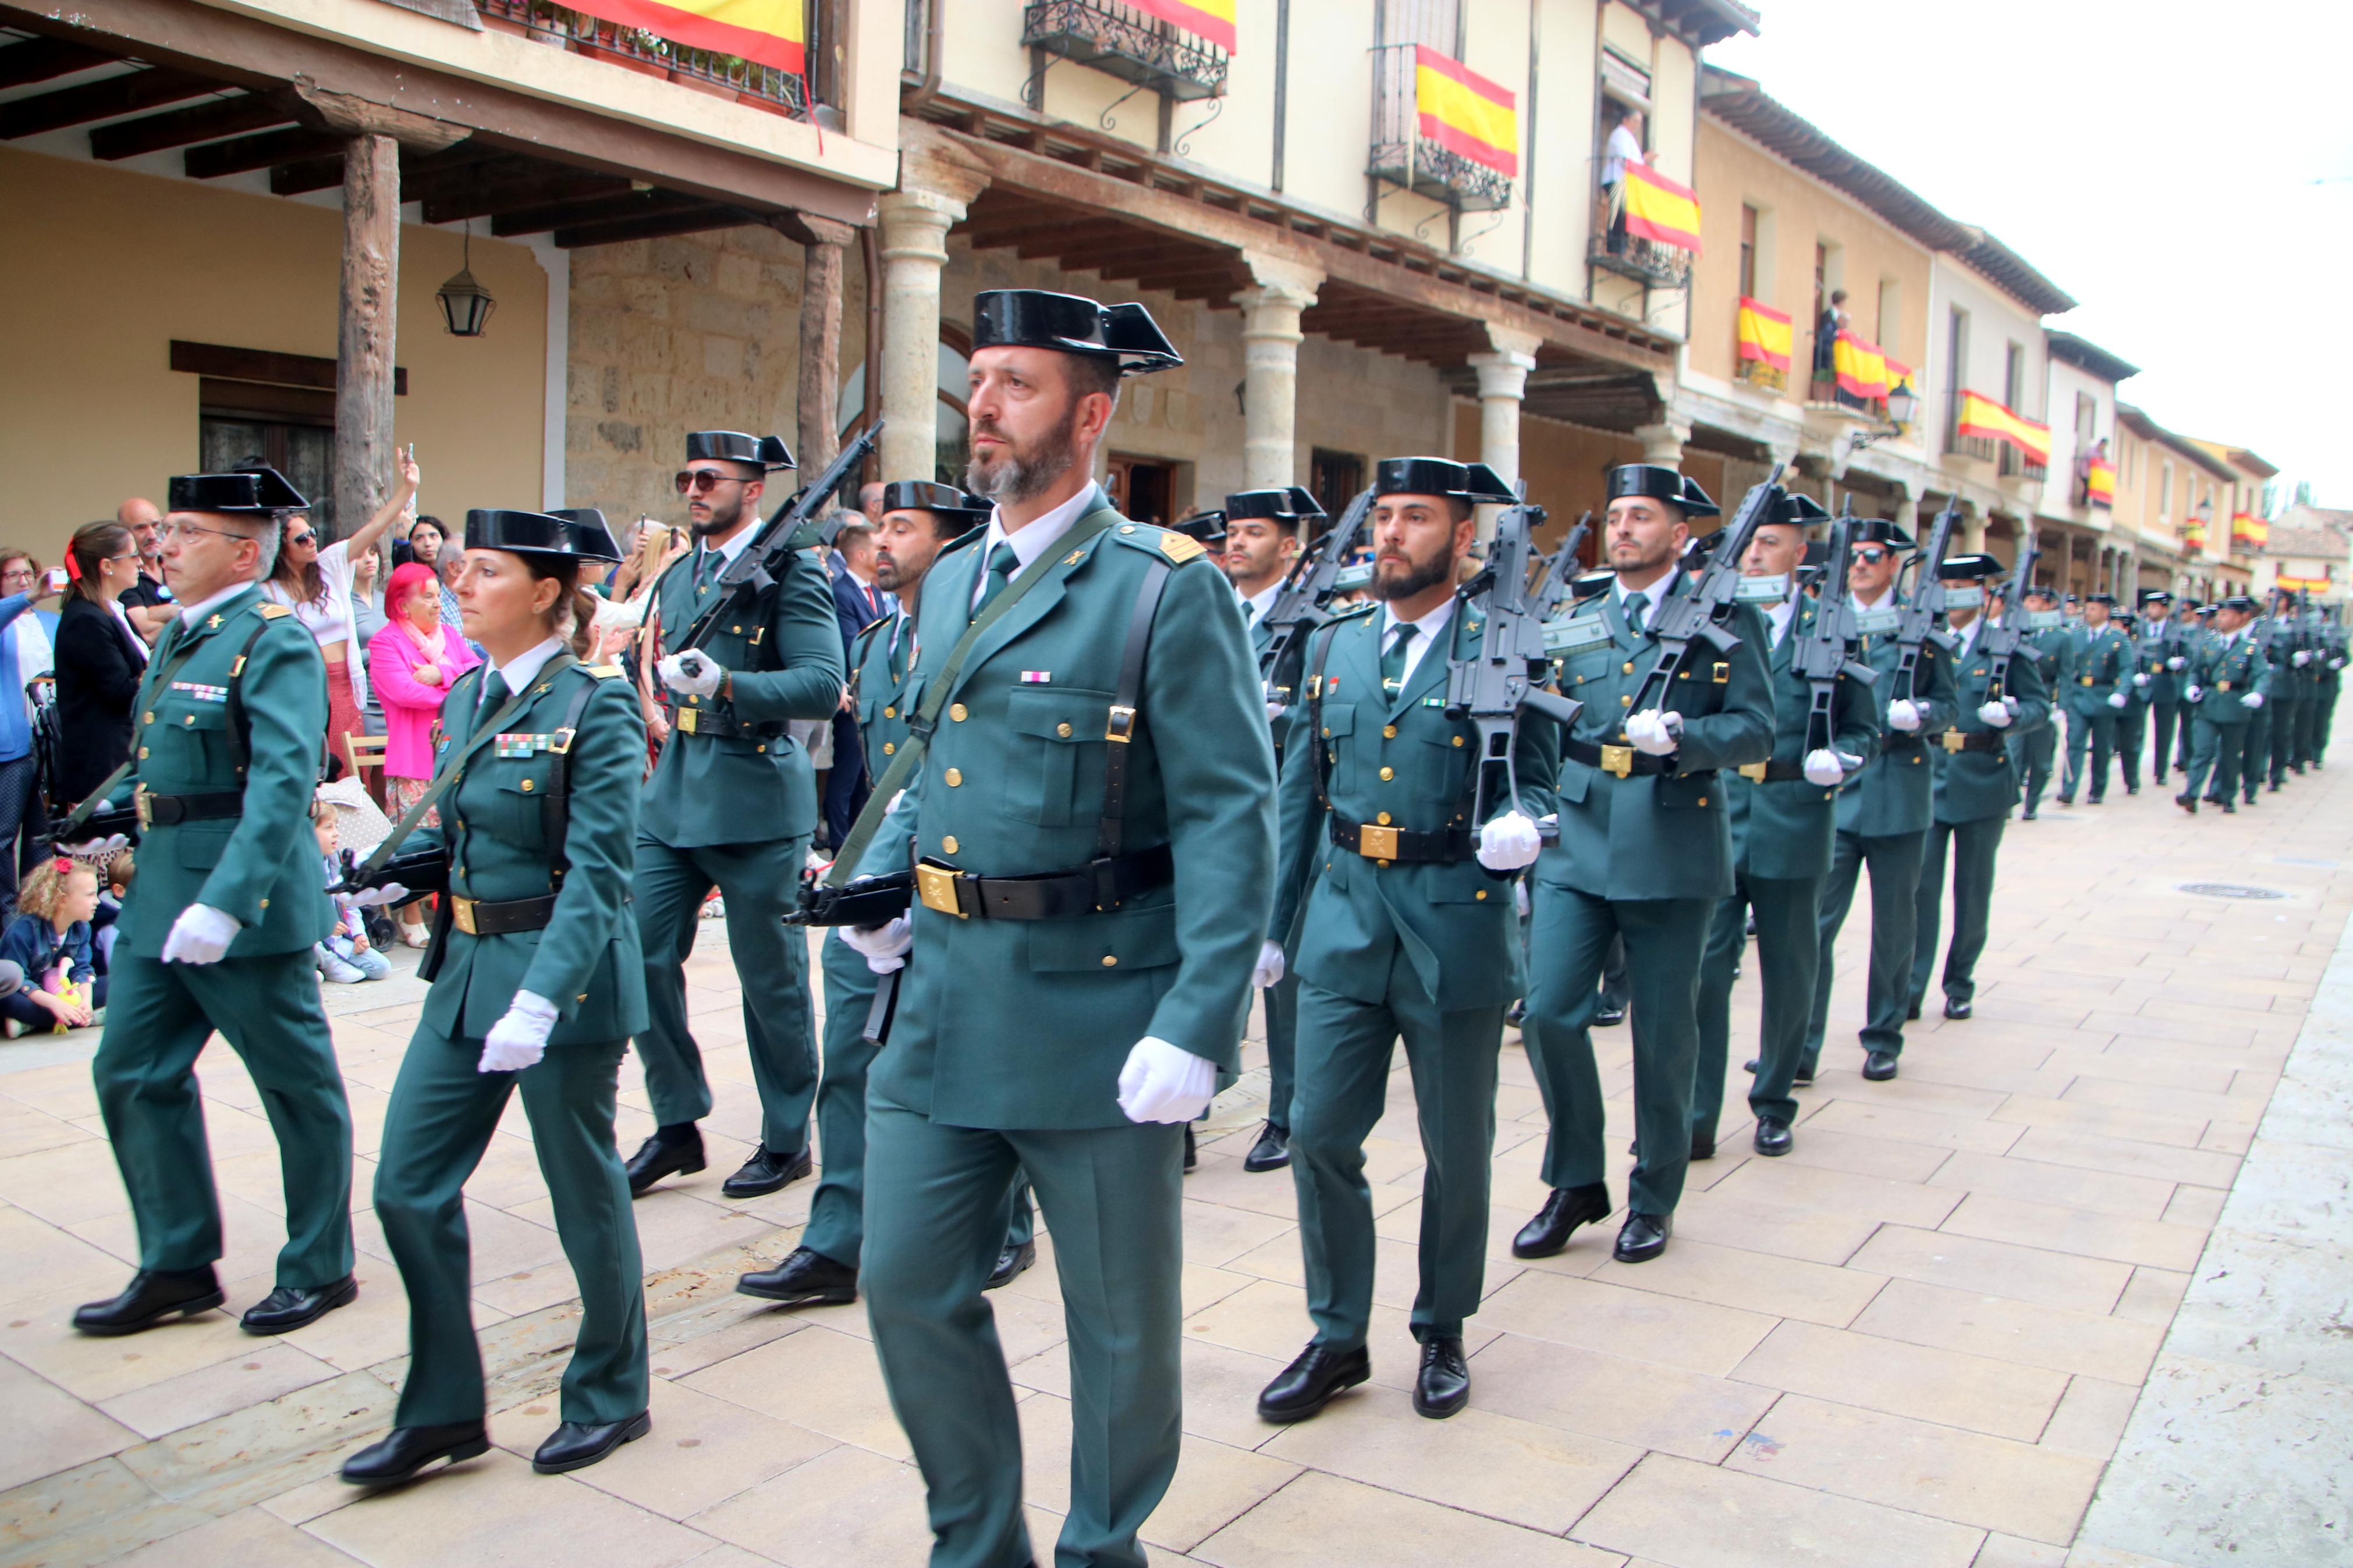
(1919, 1341)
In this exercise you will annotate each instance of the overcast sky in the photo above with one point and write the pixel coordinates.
(2184, 169)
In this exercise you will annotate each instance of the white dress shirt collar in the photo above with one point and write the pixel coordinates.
(1656, 593)
(191, 613)
(519, 671)
(1886, 601)
(1782, 617)
(1256, 605)
(1427, 629)
(735, 545)
(1033, 540)
(1967, 636)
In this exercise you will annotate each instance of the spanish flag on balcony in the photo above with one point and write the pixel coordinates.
(1465, 113)
(2321, 585)
(2100, 483)
(1862, 366)
(1660, 211)
(1764, 334)
(766, 32)
(1984, 418)
(1211, 21)
(2248, 528)
(2193, 534)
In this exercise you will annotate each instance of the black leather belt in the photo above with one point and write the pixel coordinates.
(1388, 845)
(712, 725)
(168, 810)
(1621, 760)
(479, 917)
(1097, 887)
(1771, 772)
(1975, 740)
(1903, 744)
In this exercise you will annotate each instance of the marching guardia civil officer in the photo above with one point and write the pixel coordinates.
(919, 516)
(537, 986)
(2224, 688)
(733, 802)
(1095, 821)
(1645, 854)
(2053, 647)
(1976, 785)
(2159, 659)
(1783, 819)
(1409, 932)
(1885, 810)
(2195, 621)
(2100, 674)
(217, 932)
(2284, 648)
(1262, 546)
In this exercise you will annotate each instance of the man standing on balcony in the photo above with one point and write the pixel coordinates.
(2051, 646)
(2101, 663)
(1623, 147)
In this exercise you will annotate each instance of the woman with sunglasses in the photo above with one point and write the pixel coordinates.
(315, 582)
(100, 659)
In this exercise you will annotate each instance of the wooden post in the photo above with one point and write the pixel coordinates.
(363, 346)
(820, 368)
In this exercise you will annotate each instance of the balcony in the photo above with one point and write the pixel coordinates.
(1646, 261)
(1762, 377)
(2016, 465)
(1119, 40)
(1406, 157)
(634, 48)
(1984, 448)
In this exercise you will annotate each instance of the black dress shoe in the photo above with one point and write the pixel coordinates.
(1192, 1149)
(290, 1307)
(1703, 1146)
(1308, 1383)
(1011, 1264)
(1751, 1065)
(1563, 1212)
(2230, 810)
(2028, 814)
(765, 1172)
(1643, 1237)
(2098, 800)
(1957, 1010)
(410, 1448)
(2132, 789)
(671, 1151)
(577, 1445)
(1879, 1066)
(1516, 1013)
(805, 1279)
(1912, 1013)
(1803, 1078)
(153, 1296)
(1608, 1018)
(1272, 1151)
(2064, 799)
(1773, 1138)
(2186, 804)
(1442, 1386)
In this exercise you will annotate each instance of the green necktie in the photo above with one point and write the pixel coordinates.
(1638, 605)
(1393, 661)
(494, 696)
(1002, 565)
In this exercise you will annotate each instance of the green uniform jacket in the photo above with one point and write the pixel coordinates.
(2225, 671)
(1400, 761)
(260, 866)
(1655, 835)
(739, 778)
(1262, 634)
(2098, 660)
(2158, 645)
(1973, 785)
(2054, 656)
(1026, 1024)
(882, 666)
(1788, 829)
(1893, 793)
(586, 960)
(2281, 640)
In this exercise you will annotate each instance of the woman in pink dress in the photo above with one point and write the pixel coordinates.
(411, 663)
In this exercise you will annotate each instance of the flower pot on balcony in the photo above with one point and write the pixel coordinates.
(491, 24)
(702, 84)
(597, 50)
(771, 105)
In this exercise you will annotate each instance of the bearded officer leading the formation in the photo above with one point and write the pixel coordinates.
(1094, 823)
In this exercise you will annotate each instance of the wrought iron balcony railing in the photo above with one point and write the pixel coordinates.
(1121, 41)
(1402, 155)
(1646, 261)
(762, 86)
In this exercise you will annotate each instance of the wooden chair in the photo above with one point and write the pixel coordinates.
(365, 752)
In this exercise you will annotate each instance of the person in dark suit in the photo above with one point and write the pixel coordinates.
(99, 659)
(858, 602)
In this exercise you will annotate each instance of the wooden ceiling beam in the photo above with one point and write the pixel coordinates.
(44, 59)
(106, 100)
(521, 189)
(659, 227)
(624, 207)
(236, 156)
(207, 122)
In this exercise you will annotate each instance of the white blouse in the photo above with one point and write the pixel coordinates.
(329, 619)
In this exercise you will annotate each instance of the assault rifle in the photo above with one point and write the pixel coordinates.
(1695, 608)
(1919, 617)
(1826, 651)
(2000, 642)
(1560, 571)
(1299, 609)
(1503, 679)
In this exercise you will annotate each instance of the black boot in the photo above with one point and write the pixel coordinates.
(673, 1151)
(410, 1448)
(1192, 1153)
(805, 1279)
(153, 1296)
(1563, 1212)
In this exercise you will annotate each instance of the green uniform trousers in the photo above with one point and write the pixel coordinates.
(837, 1222)
(443, 1113)
(2098, 730)
(2132, 730)
(1788, 952)
(158, 1016)
(936, 1205)
(2324, 717)
(1569, 934)
(1345, 1049)
(1974, 845)
(1280, 1002)
(2032, 754)
(1894, 861)
(760, 882)
(2284, 718)
(2307, 726)
(2214, 761)
(2164, 718)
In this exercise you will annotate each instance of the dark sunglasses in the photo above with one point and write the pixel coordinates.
(305, 537)
(1871, 555)
(702, 480)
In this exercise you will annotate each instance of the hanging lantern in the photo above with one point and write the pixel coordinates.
(465, 304)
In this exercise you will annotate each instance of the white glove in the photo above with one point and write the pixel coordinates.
(2010, 702)
(1269, 973)
(377, 897)
(2193, 692)
(885, 946)
(201, 936)
(2335, 664)
(2300, 658)
(1653, 732)
(1509, 843)
(1275, 711)
(2140, 678)
(2177, 662)
(1520, 896)
(1994, 714)
(1162, 1082)
(2117, 700)
(105, 848)
(701, 681)
(1903, 715)
(1823, 768)
(519, 1038)
(2252, 700)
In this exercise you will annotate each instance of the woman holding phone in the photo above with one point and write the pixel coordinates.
(315, 582)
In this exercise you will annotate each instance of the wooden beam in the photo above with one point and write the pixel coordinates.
(43, 59)
(236, 156)
(367, 326)
(267, 365)
(819, 389)
(621, 208)
(306, 175)
(527, 188)
(658, 228)
(106, 100)
(207, 121)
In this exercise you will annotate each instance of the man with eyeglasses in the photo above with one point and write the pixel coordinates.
(217, 932)
(733, 802)
(148, 602)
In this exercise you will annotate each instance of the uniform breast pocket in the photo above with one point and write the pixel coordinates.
(520, 803)
(1057, 753)
(191, 741)
(1442, 769)
(1338, 724)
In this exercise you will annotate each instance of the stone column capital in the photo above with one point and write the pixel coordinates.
(1503, 374)
(1506, 339)
(1275, 277)
(933, 164)
(1663, 442)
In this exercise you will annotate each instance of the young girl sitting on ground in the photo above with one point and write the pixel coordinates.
(49, 940)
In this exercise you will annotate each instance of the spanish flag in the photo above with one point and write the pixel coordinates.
(766, 32)
(2100, 483)
(1764, 334)
(1464, 112)
(1659, 210)
(1984, 418)
(1861, 367)
(2288, 584)
(1211, 21)
(2246, 528)
(2193, 534)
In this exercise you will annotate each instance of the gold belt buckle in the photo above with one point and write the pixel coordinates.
(146, 811)
(1377, 843)
(461, 911)
(1618, 760)
(1955, 741)
(2221, 686)
(936, 885)
(686, 717)
(2087, 680)
(1121, 726)
(1753, 772)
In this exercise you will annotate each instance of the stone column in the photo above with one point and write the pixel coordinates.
(367, 329)
(1502, 385)
(1663, 443)
(820, 368)
(1972, 532)
(936, 187)
(1907, 515)
(1282, 287)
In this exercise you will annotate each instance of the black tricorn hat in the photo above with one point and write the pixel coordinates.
(2241, 602)
(1797, 510)
(768, 453)
(577, 534)
(253, 492)
(2108, 599)
(1472, 482)
(1968, 568)
(1068, 324)
(1586, 585)
(2155, 597)
(1204, 528)
(1661, 483)
(1879, 530)
(1818, 552)
(930, 495)
(1287, 504)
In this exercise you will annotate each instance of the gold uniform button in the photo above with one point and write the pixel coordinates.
(1458, 740)
(1626, 701)
(955, 777)
(764, 750)
(1480, 895)
(1063, 730)
(890, 712)
(1625, 669)
(737, 631)
(265, 903)
(1388, 731)
(143, 753)
(582, 997)
(1111, 961)
(890, 747)
(151, 716)
(948, 845)
(1383, 820)
(190, 719)
(526, 786)
(958, 711)
(1702, 800)
(1387, 773)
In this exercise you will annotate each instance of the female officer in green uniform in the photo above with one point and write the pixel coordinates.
(537, 984)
